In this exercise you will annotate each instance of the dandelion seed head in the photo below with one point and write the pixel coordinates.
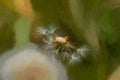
(31, 64)
(62, 46)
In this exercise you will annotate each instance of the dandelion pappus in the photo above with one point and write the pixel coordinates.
(61, 45)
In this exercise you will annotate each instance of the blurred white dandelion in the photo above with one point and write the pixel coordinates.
(31, 64)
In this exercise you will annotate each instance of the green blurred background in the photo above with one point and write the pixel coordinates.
(92, 22)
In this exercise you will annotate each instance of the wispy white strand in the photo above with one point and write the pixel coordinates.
(74, 59)
(82, 51)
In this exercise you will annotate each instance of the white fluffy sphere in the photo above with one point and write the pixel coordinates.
(31, 64)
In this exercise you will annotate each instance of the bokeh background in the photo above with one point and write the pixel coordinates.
(92, 22)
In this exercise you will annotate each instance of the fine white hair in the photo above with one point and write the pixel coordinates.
(30, 63)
